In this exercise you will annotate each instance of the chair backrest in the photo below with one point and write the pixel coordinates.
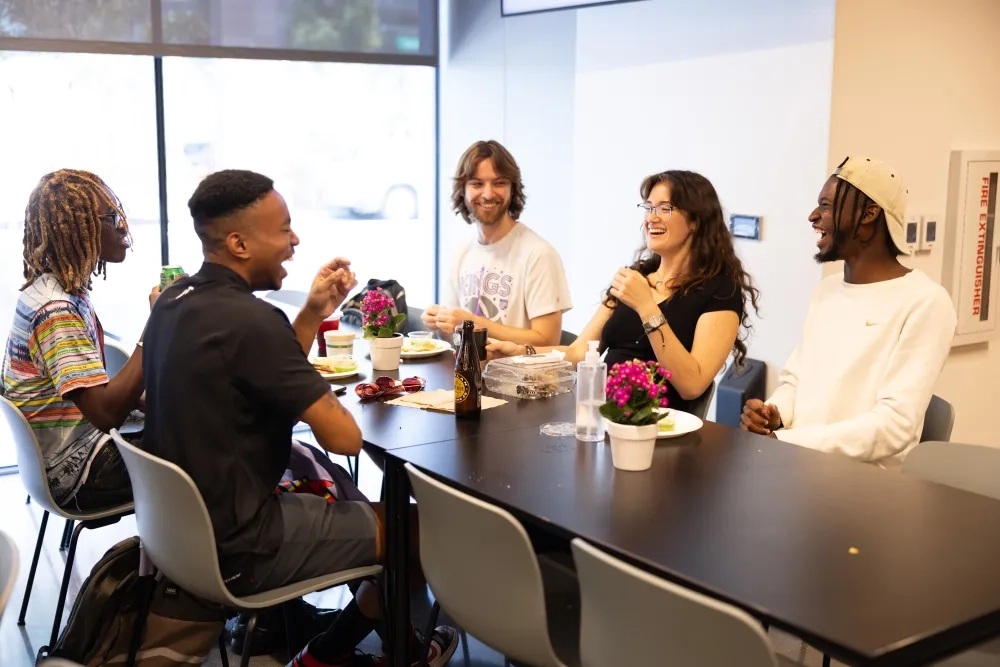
(292, 297)
(480, 565)
(567, 338)
(174, 525)
(30, 465)
(699, 406)
(974, 468)
(115, 357)
(8, 569)
(629, 617)
(939, 420)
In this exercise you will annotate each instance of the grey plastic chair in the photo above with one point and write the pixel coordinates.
(177, 536)
(482, 569)
(939, 420)
(630, 617)
(8, 569)
(115, 357)
(699, 406)
(974, 468)
(31, 468)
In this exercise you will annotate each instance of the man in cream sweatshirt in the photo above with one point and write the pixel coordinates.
(875, 339)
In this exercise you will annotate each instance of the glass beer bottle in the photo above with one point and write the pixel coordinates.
(468, 376)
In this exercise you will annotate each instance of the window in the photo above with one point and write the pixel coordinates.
(349, 146)
(98, 20)
(92, 112)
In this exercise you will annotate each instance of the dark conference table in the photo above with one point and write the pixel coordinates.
(766, 526)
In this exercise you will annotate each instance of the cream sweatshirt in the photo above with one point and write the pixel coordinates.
(861, 378)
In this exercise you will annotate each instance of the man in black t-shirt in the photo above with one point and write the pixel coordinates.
(227, 377)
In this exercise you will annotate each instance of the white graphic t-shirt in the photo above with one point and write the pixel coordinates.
(512, 281)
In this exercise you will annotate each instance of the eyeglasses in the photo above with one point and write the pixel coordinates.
(114, 219)
(663, 211)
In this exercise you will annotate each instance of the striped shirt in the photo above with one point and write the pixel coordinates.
(55, 347)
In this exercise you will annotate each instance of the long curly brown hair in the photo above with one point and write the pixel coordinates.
(712, 250)
(505, 166)
(62, 228)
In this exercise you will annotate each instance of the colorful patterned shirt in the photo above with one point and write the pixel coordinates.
(56, 346)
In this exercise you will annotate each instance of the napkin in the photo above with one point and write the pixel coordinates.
(440, 400)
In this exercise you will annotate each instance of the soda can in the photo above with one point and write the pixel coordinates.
(168, 274)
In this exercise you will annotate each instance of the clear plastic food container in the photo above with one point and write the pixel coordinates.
(538, 376)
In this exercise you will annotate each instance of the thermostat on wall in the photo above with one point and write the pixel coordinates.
(931, 230)
(745, 226)
(913, 232)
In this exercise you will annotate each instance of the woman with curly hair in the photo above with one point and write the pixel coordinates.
(683, 302)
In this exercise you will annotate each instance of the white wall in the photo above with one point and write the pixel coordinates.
(593, 100)
(914, 80)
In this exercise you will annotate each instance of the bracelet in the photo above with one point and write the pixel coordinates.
(529, 350)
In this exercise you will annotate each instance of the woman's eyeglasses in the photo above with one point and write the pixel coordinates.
(662, 211)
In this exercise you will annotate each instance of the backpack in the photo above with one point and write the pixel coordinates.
(351, 309)
(179, 629)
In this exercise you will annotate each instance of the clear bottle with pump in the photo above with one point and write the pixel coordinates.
(591, 377)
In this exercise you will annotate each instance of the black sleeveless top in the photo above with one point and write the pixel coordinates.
(625, 339)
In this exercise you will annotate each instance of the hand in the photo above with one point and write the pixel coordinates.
(450, 319)
(333, 282)
(632, 289)
(429, 316)
(154, 293)
(760, 418)
(496, 349)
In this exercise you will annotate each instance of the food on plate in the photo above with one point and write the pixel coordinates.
(334, 364)
(666, 424)
(416, 345)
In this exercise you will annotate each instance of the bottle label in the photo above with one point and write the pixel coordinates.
(462, 388)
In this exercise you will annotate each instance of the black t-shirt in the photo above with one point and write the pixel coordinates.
(625, 339)
(226, 380)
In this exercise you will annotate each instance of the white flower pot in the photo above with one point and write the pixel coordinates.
(385, 352)
(632, 447)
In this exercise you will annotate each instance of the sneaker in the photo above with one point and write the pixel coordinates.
(444, 641)
(356, 659)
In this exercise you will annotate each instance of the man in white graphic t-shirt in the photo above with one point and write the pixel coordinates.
(875, 337)
(507, 279)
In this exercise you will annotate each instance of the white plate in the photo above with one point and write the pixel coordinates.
(442, 346)
(334, 376)
(684, 423)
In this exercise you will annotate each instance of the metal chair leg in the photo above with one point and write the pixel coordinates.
(465, 646)
(357, 469)
(70, 555)
(34, 566)
(248, 640)
(223, 653)
(826, 660)
(425, 643)
(28, 501)
(67, 533)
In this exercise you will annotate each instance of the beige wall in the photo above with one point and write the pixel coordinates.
(912, 81)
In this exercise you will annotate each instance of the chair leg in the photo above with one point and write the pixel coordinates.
(70, 555)
(357, 468)
(67, 532)
(826, 660)
(223, 653)
(28, 501)
(34, 566)
(465, 646)
(248, 640)
(425, 643)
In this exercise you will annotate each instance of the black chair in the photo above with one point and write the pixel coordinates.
(567, 338)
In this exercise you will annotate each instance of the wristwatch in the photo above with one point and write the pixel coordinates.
(654, 323)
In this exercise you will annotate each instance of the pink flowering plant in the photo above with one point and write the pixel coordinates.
(377, 316)
(634, 390)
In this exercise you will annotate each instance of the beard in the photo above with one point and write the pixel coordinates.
(491, 217)
(832, 253)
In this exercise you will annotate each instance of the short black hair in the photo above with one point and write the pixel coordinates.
(221, 194)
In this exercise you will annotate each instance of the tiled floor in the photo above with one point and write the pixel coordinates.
(18, 645)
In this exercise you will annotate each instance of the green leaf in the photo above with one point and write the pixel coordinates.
(397, 320)
(612, 412)
(385, 332)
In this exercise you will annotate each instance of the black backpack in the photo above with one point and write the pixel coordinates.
(351, 309)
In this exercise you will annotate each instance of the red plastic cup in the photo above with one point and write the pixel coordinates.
(330, 324)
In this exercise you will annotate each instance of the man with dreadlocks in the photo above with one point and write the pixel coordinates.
(53, 369)
(875, 339)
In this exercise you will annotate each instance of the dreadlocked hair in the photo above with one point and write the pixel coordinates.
(62, 228)
(859, 203)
